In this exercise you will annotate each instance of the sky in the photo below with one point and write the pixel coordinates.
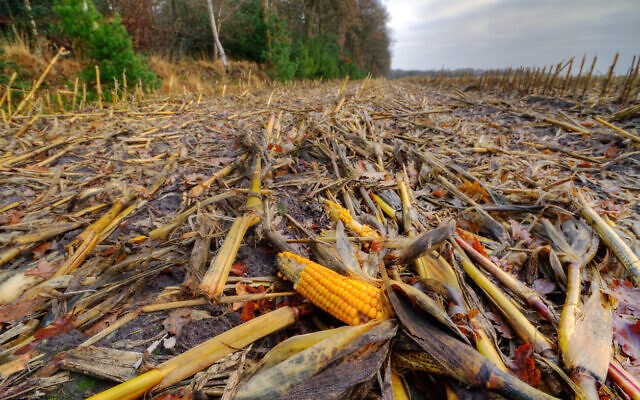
(432, 34)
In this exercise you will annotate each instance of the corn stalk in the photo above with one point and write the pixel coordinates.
(213, 282)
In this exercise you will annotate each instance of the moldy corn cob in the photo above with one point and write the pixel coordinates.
(350, 300)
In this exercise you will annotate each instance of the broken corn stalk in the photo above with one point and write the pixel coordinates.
(626, 256)
(525, 329)
(90, 237)
(216, 277)
(517, 287)
(337, 212)
(420, 262)
(350, 300)
(201, 356)
(197, 190)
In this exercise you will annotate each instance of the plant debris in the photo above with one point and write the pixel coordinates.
(499, 231)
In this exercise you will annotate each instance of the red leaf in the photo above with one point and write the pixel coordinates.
(64, 324)
(248, 311)
(108, 251)
(587, 123)
(474, 190)
(28, 348)
(43, 270)
(477, 246)
(611, 152)
(12, 217)
(440, 193)
(238, 269)
(525, 366)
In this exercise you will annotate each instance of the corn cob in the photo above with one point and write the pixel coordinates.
(350, 300)
(337, 212)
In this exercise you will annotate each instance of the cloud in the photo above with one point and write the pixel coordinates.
(501, 33)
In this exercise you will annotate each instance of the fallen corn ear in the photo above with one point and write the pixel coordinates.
(350, 300)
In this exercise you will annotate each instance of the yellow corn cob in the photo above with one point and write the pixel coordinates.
(337, 212)
(350, 300)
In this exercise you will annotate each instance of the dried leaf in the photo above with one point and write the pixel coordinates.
(176, 320)
(62, 325)
(500, 325)
(39, 250)
(520, 233)
(108, 251)
(626, 332)
(525, 366)
(101, 324)
(440, 193)
(543, 286)
(474, 190)
(238, 269)
(248, 311)
(346, 251)
(44, 270)
(19, 309)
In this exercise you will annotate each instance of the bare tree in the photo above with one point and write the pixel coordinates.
(214, 30)
(32, 22)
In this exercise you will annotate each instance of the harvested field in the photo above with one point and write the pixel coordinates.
(133, 234)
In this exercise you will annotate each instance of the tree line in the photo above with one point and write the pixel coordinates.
(304, 39)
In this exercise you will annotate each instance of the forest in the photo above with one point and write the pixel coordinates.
(307, 39)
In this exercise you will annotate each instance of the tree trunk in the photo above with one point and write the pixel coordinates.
(214, 30)
(264, 6)
(32, 22)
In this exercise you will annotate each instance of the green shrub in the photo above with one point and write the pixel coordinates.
(245, 35)
(102, 43)
(306, 64)
(279, 55)
(110, 48)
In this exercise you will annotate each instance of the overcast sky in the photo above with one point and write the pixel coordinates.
(430, 34)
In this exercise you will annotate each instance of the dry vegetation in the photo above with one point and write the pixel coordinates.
(141, 238)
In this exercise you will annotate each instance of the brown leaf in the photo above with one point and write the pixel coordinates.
(520, 233)
(101, 325)
(500, 325)
(543, 286)
(440, 193)
(628, 298)
(19, 309)
(40, 249)
(176, 320)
